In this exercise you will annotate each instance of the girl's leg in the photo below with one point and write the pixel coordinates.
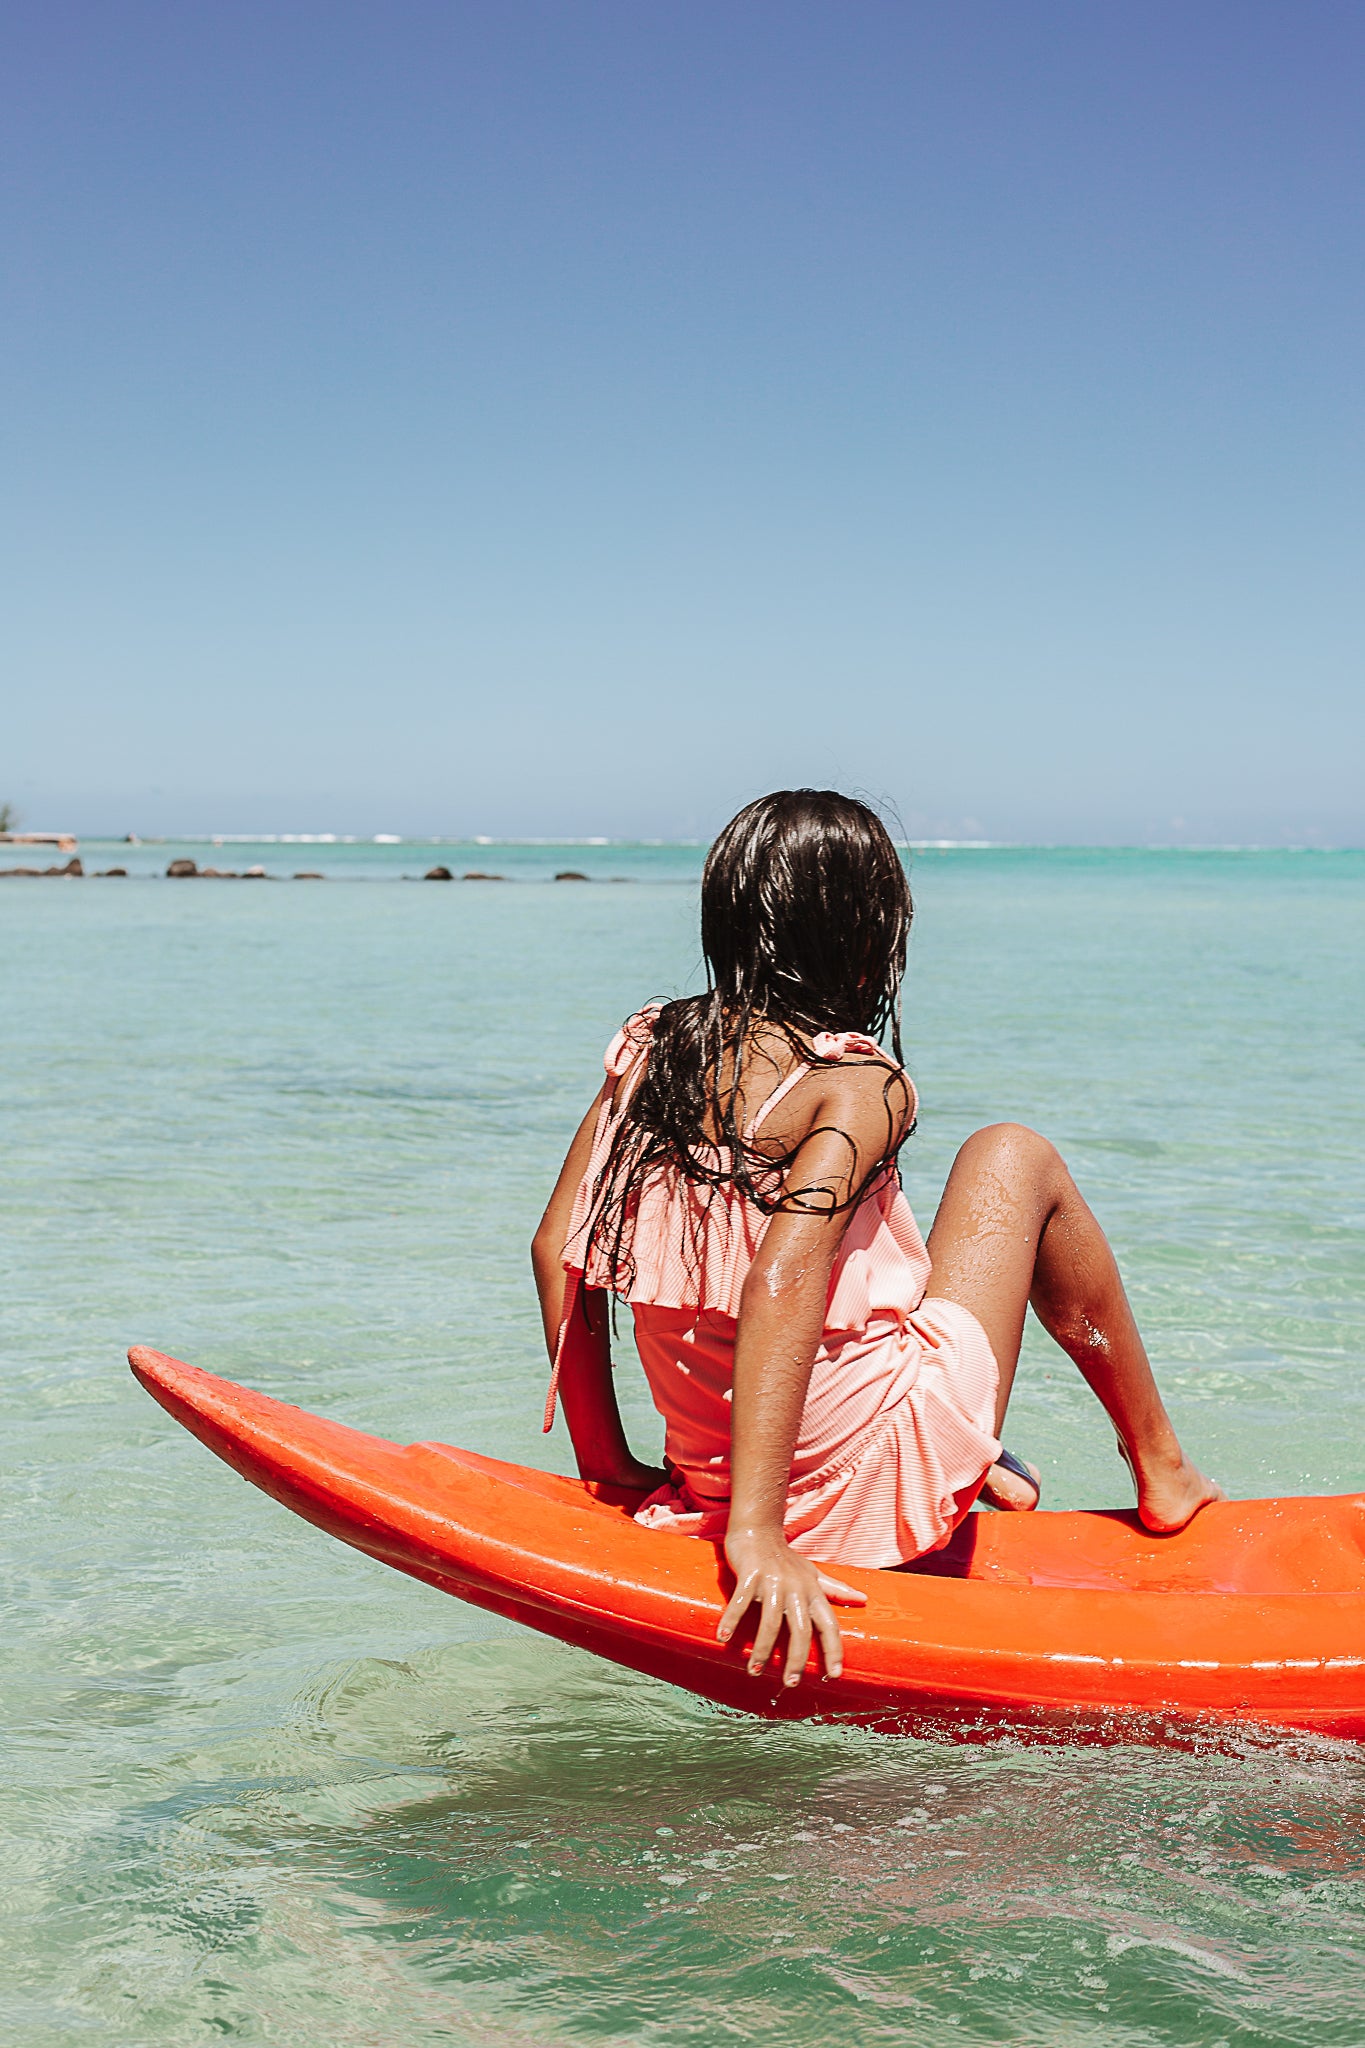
(1013, 1229)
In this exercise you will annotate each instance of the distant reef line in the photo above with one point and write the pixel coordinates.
(185, 870)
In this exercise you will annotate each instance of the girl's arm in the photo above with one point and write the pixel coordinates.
(586, 1386)
(781, 1320)
(547, 1246)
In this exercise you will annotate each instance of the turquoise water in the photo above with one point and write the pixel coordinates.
(261, 1789)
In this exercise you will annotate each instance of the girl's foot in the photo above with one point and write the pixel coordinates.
(1170, 1495)
(1005, 1490)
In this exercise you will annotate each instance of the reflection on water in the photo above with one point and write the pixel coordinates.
(503, 1841)
(261, 1789)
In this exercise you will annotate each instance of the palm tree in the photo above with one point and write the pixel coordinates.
(9, 818)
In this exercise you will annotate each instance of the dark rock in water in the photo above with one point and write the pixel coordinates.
(19, 871)
(478, 875)
(438, 875)
(178, 869)
(309, 875)
(254, 875)
(571, 875)
(73, 867)
(219, 875)
(103, 872)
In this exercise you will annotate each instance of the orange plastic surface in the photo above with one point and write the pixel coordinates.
(1077, 1622)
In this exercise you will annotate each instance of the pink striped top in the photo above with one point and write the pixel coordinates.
(692, 1246)
(898, 1419)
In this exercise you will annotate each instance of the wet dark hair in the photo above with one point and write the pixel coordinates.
(805, 916)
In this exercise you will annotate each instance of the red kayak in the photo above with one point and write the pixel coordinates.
(1075, 1622)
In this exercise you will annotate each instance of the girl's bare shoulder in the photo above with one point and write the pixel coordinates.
(864, 1096)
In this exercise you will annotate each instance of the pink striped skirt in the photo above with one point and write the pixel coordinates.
(896, 1437)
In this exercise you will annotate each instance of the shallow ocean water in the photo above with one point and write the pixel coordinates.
(262, 1789)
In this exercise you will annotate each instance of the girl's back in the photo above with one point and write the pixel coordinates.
(897, 1415)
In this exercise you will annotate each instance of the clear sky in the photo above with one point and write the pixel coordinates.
(539, 416)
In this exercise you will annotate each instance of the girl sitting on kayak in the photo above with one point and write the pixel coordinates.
(832, 1390)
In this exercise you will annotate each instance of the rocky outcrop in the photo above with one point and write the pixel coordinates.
(102, 873)
(73, 867)
(181, 870)
(571, 875)
(473, 875)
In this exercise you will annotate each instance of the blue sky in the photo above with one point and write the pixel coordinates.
(576, 417)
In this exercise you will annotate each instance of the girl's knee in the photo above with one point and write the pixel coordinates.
(1014, 1151)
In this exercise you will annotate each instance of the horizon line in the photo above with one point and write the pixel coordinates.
(924, 845)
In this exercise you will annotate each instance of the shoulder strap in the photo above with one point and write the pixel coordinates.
(798, 1073)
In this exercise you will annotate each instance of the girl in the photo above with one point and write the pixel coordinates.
(735, 1181)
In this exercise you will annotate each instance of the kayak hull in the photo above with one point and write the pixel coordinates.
(1077, 1622)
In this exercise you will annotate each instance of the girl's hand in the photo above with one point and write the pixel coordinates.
(788, 1588)
(631, 1472)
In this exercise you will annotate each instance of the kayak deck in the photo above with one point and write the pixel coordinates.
(1080, 1621)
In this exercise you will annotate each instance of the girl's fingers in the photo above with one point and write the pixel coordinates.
(798, 1641)
(802, 1621)
(831, 1642)
(766, 1640)
(835, 1589)
(741, 1600)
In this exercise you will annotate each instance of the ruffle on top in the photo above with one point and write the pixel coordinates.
(691, 1246)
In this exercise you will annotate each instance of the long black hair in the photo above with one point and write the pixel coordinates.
(805, 916)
